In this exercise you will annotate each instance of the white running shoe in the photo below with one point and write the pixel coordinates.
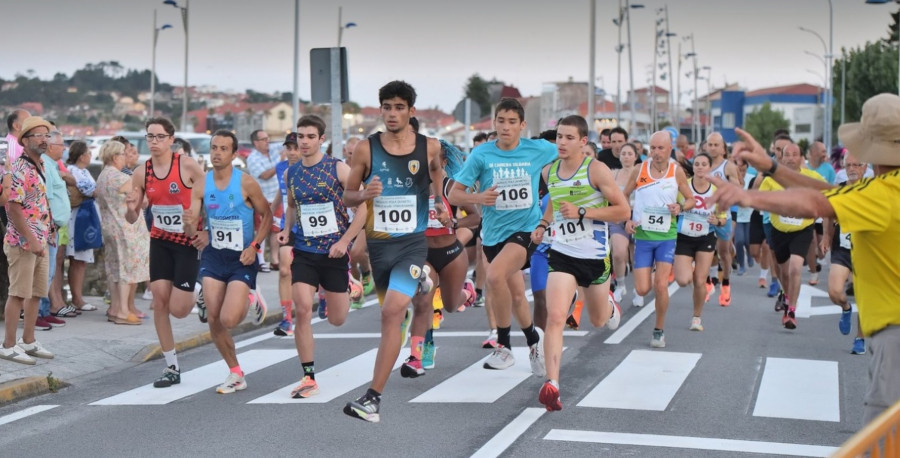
(16, 354)
(621, 291)
(257, 308)
(696, 325)
(501, 358)
(536, 355)
(232, 383)
(616, 316)
(148, 295)
(637, 301)
(491, 341)
(34, 349)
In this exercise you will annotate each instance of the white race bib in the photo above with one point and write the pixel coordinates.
(845, 240)
(656, 219)
(394, 214)
(694, 225)
(226, 234)
(433, 222)
(571, 230)
(169, 218)
(790, 221)
(515, 193)
(318, 219)
(744, 214)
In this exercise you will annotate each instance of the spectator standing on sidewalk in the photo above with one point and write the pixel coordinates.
(261, 165)
(25, 243)
(83, 189)
(59, 213)
(131, 162)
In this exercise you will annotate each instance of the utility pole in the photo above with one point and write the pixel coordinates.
(591, 70)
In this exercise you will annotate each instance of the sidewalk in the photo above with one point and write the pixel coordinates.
(88, 343)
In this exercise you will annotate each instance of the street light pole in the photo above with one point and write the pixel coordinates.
(709, 120)
(669, 52)
(618, 22)
(632, 126)
(342, 26)
(184, 21)
(826, 116)
(591, 70)
(295, 97)
(153, 64)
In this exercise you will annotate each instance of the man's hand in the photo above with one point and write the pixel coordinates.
(373, 189)
(489, 197)
(630, 226)
(750, 151)
(568, 210)
(248, 256)
(338, 250)
(727, 194)
(537, 235)
(674, 209)
(283, 236)
(35, 248)
(201, 240)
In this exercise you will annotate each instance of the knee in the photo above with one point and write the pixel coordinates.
(228, 321)
(337, 319)
(684, 280)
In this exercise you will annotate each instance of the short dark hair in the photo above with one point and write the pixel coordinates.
(400, 89)
(781, 132)
(164, 122)
(13, 117)
(492, 133)
(549, 135)
(605, 132)
(510, 104)
(184, 144)
(414, 122)
(121, 139)
(221, 133)
(576, 121)
(706, 155)
(783, 136)
(480, 137)
(618, 130)
(255, 135)
(314, 121)
(76, 149)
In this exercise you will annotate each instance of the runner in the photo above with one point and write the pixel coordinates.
(228, 198)
(726, 170)
(323, 233)
(167, 179)
(656, 185)
(286, 249)
(696, 238)
(621, 241)
(396, 166)
(508, 171)
(579, 209)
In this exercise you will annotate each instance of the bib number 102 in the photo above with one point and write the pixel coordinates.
(395, 216)
(168, 220)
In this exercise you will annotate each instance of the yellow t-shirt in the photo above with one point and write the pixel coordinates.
(787, 223)
(869, 209)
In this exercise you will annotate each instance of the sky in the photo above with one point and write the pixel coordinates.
(434, 45)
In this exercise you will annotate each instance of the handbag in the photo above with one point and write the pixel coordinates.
(87, 232)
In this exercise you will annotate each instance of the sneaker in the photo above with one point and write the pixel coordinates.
(491, 341)
(404, 328)
(859, 346)
(368, 283)
(356, 294)
(201, 307)
(16, 354)
(469, 288)
(789, 320)
(285, 329)
(425, 282)
(323, 307)
(107, 299)
(232, 383)
(658, 340)
(572, 322)
(264, 267)
(774, 287)
(696, 324)
(814, 278)
(307, 387)
(501, 358)
(148, 295)
(54, 321)
(428, 352)
(761, 282)
(536, 355)
(257, 308)
(412, 368)
(549, 396)
(169, 377)
(365, 408)
(42, 325)
(741, 270)
(844, 324)
(725, 296)
(34, 349)
(616, 316)
(479, 301)
(637, 301)
(779, 302)
(620, 292)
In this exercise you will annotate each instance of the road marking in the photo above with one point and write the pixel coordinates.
(437, 334)
(252, 340)
(800, 389)
(804, 303)
(645, 380)
(626, 328)
(24, 413)
(333, 382)
(491, 384)
(686, 442)
(500, 442)
(197, 380)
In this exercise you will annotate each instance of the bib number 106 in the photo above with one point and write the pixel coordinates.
(513, 194)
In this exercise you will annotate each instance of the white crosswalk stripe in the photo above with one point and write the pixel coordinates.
(799, 389)
(645, 380)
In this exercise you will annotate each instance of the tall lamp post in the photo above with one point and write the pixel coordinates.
(669, 35)
(882, 2)
(709, 119)
(184, 95)
(153, 64)
(618, 21)
(826, 117)
(592, 69)
(695, 126)
(342, 26)
(628, 7)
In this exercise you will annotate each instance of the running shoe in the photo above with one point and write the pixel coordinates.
(696, 324)
(814, 278)
(725, 296)
(232, 383)
(844, 324)
(859, 346)
(572, 322)
(428, 352)
(621, 291)
(284, 329)
(365, 408)
(658, 340)
(549, 396)
(536, 355)
(779, 303)
(264, 267)
(34, 349)
(404, 328)
(412, 368)
(323, 307)
(368, 283)
(201, 307)
(307, 387)
(54, 321)
(637, 301)
(479, 301)
(761, 282)
(774, 288)
(616, 316)
(491, 341)
(41, 324)
(671, 275)
(169, 377)
(257, 308)
(501, 358)
(741, 270)
(356, 294)
(469, 288)
(789, 320)
(148, 295)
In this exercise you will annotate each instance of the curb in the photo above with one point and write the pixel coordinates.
(154, 351)
(18, 389)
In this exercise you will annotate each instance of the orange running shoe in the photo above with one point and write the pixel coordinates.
(725, 296)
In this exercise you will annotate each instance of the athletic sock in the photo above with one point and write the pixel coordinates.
(415, 347)
(764, 273)
(286, 310)
(171, 358)
(309, 369)
(503, 336)
(429, 336)
(373, 394)
(531, 335)
(725, 282)
(477, 292)
(236, 370)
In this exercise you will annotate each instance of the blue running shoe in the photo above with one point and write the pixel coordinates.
(859, 346)
(773, 288)
(323, 308)
(844, 324)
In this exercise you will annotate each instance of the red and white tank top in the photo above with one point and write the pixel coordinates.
(168, 199)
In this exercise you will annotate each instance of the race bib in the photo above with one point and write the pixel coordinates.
(571, 230)
(226, 234)
(433, 222)
(845, 240)
(318, 219)
(743, 214)
(394, 214)
(790, 221)
(169, 218)
(514, 193)
(694, 225)
(656, 219)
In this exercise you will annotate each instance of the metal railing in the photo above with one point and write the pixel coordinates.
(878, 439)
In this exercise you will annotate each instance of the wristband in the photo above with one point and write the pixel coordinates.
(772, 170)
(543, 226)
(256, 246)
(544, 221)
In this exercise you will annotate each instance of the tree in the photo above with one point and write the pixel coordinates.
(893, 28)
(870, 71)
(764, 121)
(477, 89)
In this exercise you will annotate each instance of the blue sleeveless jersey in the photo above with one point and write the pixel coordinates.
(229, 217)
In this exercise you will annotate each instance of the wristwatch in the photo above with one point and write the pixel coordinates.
(256, 246)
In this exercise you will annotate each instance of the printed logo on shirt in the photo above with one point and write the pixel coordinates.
(415, 271)
(384, 167)
(413, 166)
(173, 188)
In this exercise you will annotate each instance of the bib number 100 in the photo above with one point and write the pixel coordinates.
(395, 216)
